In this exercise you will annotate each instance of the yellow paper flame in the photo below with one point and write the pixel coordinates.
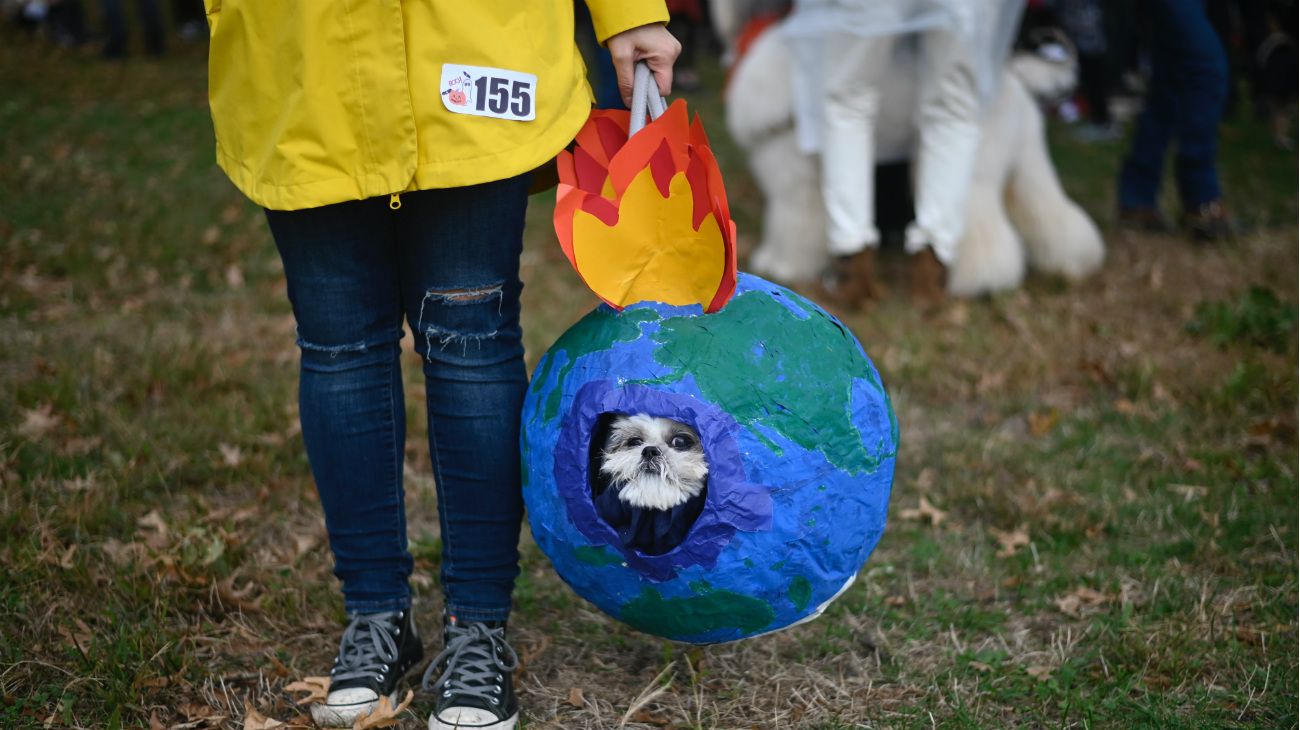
(667, 265)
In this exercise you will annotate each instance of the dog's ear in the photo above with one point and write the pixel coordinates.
(600, 433)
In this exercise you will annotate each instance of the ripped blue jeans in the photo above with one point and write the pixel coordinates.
(446, 262)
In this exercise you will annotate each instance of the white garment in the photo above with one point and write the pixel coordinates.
(844, 50)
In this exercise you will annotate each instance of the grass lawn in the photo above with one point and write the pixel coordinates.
(1111, 465)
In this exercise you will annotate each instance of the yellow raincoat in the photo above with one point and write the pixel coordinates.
(321, 101)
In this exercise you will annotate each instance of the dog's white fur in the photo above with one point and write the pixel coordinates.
(661, 482)
(1018, 215)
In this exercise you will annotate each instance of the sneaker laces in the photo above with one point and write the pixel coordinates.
(476, 656)
(367, 647)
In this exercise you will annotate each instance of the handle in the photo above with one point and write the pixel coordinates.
(645, 98)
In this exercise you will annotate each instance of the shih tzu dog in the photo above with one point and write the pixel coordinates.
(654, 474)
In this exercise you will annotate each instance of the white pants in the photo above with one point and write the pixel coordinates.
(947, 119)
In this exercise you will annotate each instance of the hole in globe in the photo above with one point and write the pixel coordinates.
(649, 479)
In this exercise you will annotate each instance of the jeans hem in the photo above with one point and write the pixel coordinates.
(380, 606)
(473, 613)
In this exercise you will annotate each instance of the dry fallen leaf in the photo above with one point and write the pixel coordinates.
(122, 553)
(195, 712)
(1072, 603)
(981, 667)
(925, 479)
(385, 715)
(649, 718)
(924, 512)
(239, 598)
(81, 445)
(231, 456)
(38, 421)
(230, 214)
(575, 698)
(532, 652)
(303, 543)
(156, 529)
(318, 688)
(1011, 541)
(991, 381)
(79, 637)
(234, 276)
(1039, 672)
(155, 723)
(1068, 605)
(79, 484)
(1190, 492)
(254, 720)
(1041, 423)
(66, 561)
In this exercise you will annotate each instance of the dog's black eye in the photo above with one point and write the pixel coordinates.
(633, 442)
(682, 441)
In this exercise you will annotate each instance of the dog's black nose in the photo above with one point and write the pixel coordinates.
(650, 452)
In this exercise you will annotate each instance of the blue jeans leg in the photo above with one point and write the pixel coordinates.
(1203, 78)
(459, 257)
(448, 262)
(341, 265)
(1185, 100)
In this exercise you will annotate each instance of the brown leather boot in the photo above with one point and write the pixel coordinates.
(929, 278)
(851, 280)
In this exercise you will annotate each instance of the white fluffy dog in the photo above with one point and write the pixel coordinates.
(1017, 215)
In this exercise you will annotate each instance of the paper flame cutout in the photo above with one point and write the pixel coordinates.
(646, 219)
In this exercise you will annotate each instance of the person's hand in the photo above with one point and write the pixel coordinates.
(650, 43)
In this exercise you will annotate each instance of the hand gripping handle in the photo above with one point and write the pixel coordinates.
(645, 98)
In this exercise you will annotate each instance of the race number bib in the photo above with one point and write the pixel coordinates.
(489, 92)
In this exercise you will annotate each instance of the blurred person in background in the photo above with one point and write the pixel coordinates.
(1276, 63)
(150, 16)
(392, 145)
(686, 23)
(1184, 103)
(1084, 22)
(62, 21)
(600, 66)
(187, 15)
(1260, 37)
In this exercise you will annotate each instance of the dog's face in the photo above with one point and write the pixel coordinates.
(656, 463)
(1047, 64)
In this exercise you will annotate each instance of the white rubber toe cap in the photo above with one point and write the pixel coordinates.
(470, 718)
(342, 707)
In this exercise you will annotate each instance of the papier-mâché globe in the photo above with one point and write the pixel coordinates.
(800, 439)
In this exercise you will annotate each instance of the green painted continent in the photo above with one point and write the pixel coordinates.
(683, 617)
(794, 376)
(598, 331)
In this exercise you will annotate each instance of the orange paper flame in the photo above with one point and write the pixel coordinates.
(646, 219)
